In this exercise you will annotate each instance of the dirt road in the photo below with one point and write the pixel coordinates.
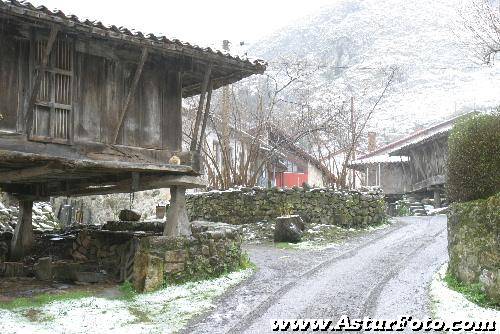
(383, 274)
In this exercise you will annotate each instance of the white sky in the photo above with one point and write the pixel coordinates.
(205, 22)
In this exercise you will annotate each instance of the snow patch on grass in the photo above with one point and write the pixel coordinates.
(164, 311)
(449, 305)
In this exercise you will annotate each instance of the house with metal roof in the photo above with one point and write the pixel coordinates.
(414, 164)
(87, 109)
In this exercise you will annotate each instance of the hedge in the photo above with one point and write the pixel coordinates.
(473, 166)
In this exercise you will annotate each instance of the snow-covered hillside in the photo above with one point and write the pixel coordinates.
(356, 41)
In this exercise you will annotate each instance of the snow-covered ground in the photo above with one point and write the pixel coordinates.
(449, 305)
(164, 311)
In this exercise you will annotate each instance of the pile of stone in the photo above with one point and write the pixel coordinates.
(43, 218)
(319, 205)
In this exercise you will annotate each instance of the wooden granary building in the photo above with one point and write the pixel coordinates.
(90, 109)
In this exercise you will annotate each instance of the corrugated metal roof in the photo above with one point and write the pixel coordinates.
(26, 9)
(395, 152)
(384, 158)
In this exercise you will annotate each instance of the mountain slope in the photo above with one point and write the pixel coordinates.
(356, 41)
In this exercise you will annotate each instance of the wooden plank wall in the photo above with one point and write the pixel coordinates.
(428, 160)
(153, 119)
(9, 81)
(100, 85)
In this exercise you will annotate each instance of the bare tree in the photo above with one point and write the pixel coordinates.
(481, 19)
(348, 121)
(275, 113)
(243, 149)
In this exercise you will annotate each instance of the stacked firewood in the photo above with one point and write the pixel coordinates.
(83, 248)
(110, 251)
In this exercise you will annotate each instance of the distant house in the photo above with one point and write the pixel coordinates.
(335, 163)
(282, 163)
(414, 164)
(246, 155)
(301, 166)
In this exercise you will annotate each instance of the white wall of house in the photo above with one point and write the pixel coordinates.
(314, 176)
(334, 163)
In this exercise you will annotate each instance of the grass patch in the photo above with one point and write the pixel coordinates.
(41, 300)
(245, 262)
(284, 245)
(127, 290)
(35, 315)
(472, 292)
(140, 315)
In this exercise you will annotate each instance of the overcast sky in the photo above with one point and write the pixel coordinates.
(198, 21)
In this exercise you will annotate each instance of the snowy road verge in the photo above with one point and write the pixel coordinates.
(449, 305)
(164, 311)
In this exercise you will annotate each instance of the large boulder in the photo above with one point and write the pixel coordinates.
(129, 215)
(289, 229)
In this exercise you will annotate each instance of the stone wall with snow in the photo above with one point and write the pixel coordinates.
(320, 205)
(473, 243)
(43, 217)
(213, 249)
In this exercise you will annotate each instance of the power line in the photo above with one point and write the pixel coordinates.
(377, 68)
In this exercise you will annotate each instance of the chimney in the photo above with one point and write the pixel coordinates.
(372, 141)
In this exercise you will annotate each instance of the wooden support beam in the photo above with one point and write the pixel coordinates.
(83, 165)
(201, 105)
(131, 92)
(22, 242)
(33, 95)
(25, 173)
(205, 116)
(146, 183)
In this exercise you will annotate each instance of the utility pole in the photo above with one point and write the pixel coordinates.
(225, 125)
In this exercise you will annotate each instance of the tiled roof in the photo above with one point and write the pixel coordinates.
(112, 32)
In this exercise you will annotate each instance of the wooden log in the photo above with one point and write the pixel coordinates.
(201, 105)
(131, 92)
(26, 173)
(90, 151)
(88, 164)
(437, 198)
(147, 183)
(22, 242)
(205, 116)
(33, 95)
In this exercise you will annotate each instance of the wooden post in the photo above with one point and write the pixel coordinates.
(131, 92)
(23, 234)
(177, 219)
(197, 121)
(205, 117)
(33, 95)
(437, 199)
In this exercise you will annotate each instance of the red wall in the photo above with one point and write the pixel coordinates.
(288, 180)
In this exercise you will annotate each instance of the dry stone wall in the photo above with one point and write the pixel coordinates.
(319, 205)
(211, 250)
(474, 244)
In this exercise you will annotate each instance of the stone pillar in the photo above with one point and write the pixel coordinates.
(177, 219)
(437, 198)
(22, 240)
